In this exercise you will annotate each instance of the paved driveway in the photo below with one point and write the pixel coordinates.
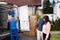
(21, 37)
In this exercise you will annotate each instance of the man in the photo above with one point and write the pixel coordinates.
(11, 12)
(40, 26)
(13, 28)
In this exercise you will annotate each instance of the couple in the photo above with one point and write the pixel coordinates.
(43, 31)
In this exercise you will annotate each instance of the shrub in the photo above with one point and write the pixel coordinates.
(37, 16)
(56, 25)
(48, 10)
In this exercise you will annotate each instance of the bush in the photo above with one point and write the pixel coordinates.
(48, 10)
(37, 16)
(56, 25)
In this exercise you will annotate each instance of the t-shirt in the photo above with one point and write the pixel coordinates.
(13, 23)
(12, 13)
(40, 24)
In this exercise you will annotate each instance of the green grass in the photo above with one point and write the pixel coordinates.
(55, 37)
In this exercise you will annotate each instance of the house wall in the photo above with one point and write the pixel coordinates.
(57, 10)
(31, 10)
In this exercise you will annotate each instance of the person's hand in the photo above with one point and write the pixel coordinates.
(45, 38)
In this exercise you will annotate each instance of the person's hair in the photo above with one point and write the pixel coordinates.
(46, 19)
(11, 7)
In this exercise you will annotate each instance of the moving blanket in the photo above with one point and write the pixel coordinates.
(24, 20)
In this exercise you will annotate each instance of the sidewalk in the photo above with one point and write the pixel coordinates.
(55, 32)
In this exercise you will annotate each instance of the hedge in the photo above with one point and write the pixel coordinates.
(56, 25)
(48, 10)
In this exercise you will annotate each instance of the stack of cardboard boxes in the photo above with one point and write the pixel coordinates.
(33, 26)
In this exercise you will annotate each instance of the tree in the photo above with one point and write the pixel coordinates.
(58, 1)
(46, 4)
(46, 7)
(53, 2)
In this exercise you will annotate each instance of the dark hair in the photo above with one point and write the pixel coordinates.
(11, 7)
(46, 19)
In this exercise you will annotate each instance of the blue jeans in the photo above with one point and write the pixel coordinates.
(12, 33)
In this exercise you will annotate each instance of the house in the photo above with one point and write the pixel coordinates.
(56, 9)
(18, 3)
(56, 12)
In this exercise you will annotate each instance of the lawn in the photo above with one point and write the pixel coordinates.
(55, 37)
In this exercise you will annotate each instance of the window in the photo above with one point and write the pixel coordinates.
(59, 6)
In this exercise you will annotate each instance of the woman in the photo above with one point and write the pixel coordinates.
(46, 28)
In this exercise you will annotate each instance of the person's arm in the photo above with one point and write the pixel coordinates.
(17, 24)
(48, 30)
(38, 21)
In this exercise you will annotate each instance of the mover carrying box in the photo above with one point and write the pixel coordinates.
(9, 16)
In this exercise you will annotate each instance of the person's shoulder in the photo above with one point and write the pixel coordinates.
(41, 19)
(49, 23)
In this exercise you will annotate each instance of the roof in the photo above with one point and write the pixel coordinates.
(23, 2)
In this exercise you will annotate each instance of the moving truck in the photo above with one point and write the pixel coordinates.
(4, 31)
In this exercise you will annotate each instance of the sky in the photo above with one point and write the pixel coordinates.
(55, 0)
(50, 1)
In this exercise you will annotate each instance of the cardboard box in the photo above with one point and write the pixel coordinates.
(33, 17)
(26, 33)
(29, 33)
(9, 16)
(33, 29)
(33, 22)
(33, 26)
